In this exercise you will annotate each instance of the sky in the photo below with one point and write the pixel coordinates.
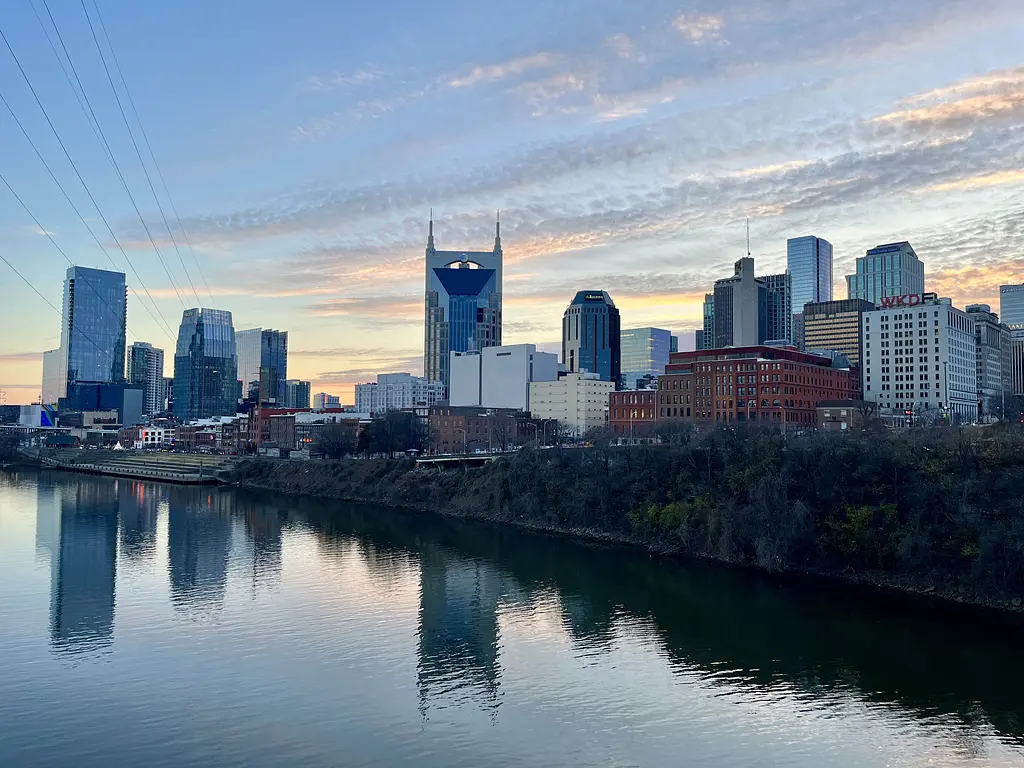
(293, 152)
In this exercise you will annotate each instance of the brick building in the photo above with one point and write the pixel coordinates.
(633, 414)
(766, 385)
(467, 429)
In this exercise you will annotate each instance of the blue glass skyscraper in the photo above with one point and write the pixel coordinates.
(809, 262)
(644, 352)
(263, 361)
(462, 304)
(892, 269)
(205, 365)
(94, 316)
(590, 336)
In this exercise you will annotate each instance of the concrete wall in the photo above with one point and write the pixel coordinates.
(506, 373)
(577, 401)
(464, 371)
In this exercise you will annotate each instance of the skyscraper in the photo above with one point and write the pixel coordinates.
(296, 393)
(740, 308)
(809, 261)
(263, 363)
(708, 331)
(146, 367)
(205, 365)
(462, 303)
(590, 336)
(992, 353)
(778, 308)
(1011, 306)
(835, 326)
(887, 270)
(93, 325)
(55, 377)
(644, 352)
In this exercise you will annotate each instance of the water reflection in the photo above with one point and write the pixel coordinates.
(199, 543)
(81, 535)
(471, 591)
(458, 629)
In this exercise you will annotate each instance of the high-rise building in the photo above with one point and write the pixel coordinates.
(708, 332)
(992, 351)
(322, 400)
(673, 344)
(778, 308)
(169, 393)
(921, 357)
(590, 336)
(499, 377)
(835, 326)
(698, 339)
(263, 363)
(886, 270)
(644, 352)
(93, 325)
(1011, 306)
(462, 304)
(146, 367)
(740, 308)
(809, 261)
(55, 378)
(396, 392)
(205, 365)
(296, 393)
(1017, 361)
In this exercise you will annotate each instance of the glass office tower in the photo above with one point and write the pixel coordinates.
(886, 270)
(205, 365)
(263, 363)
(644, 352)
(590, 336)
(1011, 306)
(146, 367)
(93, 325)
(809, 262)
(462, 304)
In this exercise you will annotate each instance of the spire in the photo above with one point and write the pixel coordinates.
(497, 231)
(430, 232)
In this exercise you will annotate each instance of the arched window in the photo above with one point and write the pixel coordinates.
(764, 403)
(776, 403)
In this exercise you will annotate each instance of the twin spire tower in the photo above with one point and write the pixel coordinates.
(462, 303)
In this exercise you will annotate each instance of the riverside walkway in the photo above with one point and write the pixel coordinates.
(186, 468)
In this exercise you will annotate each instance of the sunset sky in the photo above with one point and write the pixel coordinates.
(304, 143)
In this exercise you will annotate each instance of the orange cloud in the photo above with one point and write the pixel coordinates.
(981, 181)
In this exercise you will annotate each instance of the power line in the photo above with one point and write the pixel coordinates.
(43, 229)
(46, 115)
(149, 147)
(50, 305)
(162, 322)
(138, 153)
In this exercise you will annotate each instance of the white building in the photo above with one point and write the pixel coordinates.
(1016, 371)
(154, 437)
(578, 400)
(919, 356)
(499, 377)
(396, 392)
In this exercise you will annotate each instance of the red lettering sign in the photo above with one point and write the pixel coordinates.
(906, 300)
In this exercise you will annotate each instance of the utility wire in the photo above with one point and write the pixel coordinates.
(43, 229)
(149, 147)
(138, 153)
(162, 322)
(39, 102)
(51, 306)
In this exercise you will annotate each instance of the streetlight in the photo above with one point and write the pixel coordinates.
(465, 447)
(945, 376)
(534, 426)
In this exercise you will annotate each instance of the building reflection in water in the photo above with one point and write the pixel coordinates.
(264, 530)
(199, 544)
(77, 524)
(138, 508)
(458, 630)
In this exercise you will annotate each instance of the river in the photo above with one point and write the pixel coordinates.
(164, 626)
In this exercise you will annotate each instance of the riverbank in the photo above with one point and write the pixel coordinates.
(934, 512)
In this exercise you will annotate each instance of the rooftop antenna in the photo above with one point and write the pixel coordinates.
(748, 236)
(430, 230)
(497, 230)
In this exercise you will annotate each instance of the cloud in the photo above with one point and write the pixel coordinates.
(699, 27)
(341, 80)
(378, 310)
(489, 72)
(44, 232)
(21, 357)
(981, 181)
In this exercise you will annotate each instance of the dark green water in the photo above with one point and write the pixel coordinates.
(159, 626)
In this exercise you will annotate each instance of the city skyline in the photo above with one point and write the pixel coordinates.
(616, 156)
